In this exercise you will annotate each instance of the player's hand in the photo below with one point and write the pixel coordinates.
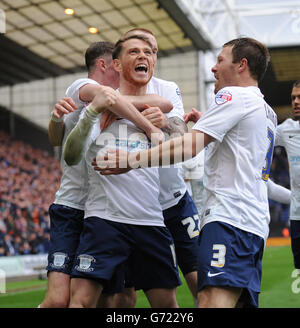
(192, 116)
(105, 98)
(114, 161)
(107, 119)
(155, 116)
(156, 136)
(64, 106)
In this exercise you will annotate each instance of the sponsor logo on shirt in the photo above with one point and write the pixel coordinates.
(295, 159)
(130, 145)
(223, 97)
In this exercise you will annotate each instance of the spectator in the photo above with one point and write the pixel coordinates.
(29, 178)
(8, 245)
(25, 250)
(2, 250)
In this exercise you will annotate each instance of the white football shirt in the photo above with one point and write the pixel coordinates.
(172, 185)
(237, 163)
(73, 187)
(130, 198)
(288, 136)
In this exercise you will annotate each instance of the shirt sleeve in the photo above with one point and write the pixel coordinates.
(278, 136)
(224, 113)
(172, 92)
(73, 90)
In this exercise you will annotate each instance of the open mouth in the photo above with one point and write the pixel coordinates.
(141, 68)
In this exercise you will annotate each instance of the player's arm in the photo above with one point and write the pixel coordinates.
(152, 100)
(56, 129)
(78, 137)
(121, 108)
(278, 193)
(171, 126)
(56, 125)
(141, 103)
(170, 152)
(175, 127)
(65, 106)
(106, 98)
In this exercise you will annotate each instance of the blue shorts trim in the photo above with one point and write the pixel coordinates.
(106, 247)
(231, 257)
(182, 220)
(66, 224)
(295, 241)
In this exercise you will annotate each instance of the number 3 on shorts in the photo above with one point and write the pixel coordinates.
(218, 255)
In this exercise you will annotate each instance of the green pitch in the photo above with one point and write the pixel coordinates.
(279, 288)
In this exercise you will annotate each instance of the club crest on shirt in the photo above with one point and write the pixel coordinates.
(223, 97)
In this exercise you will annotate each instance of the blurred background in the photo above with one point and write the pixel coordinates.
(42, 46)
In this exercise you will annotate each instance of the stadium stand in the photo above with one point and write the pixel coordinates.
(29, 178)
(24, 129)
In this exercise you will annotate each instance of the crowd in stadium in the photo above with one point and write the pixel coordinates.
(29, 178)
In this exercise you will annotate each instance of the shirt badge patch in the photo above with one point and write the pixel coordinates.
(223, 97)
(178, 92)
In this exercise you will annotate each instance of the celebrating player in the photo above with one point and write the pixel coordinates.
(122, 221)
(67, 211)
(179, 211)
(238, 131)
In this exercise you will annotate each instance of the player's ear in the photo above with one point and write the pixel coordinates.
(243, 65)
(117, 65)
(100, 63)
